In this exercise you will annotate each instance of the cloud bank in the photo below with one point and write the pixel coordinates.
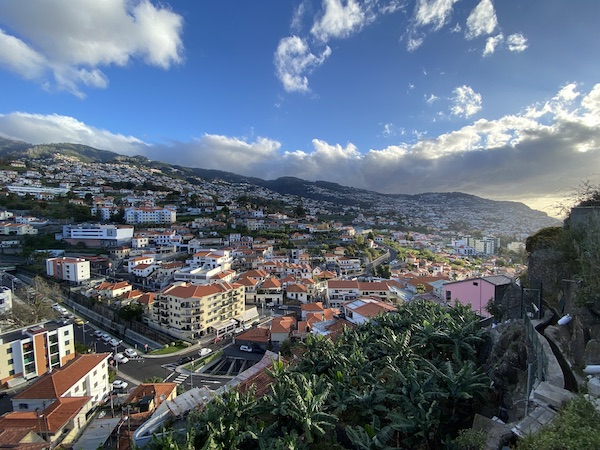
(528, 155)
(69, 51)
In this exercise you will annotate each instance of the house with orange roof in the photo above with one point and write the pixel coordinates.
(112, 290)
(146, 300)
(59, 422)
(297, 292)
(86, 375)
(145, 259)
(144, 270)
(364, 309)
(148, 396)
(258, 274)
(269, 291)
(22, 437)
(282, 328)
(255, 337)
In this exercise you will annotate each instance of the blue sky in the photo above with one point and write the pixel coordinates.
(499, 99)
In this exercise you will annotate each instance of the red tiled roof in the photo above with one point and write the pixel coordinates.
(282, 324)
(256, 334)
(154, 389)
(60, 380)
(54, 417)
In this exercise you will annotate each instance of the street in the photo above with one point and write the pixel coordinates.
(144, 367)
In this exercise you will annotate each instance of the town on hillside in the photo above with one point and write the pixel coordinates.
(130, 298)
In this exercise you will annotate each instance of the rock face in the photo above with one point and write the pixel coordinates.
(592, 352)
(508, 362)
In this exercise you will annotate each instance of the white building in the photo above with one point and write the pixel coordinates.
(5, 299)
(29, 352)
(74, 270)
(98, 235)
(141, 215)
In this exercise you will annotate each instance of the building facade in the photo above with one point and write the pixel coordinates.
(188, 311)
(73, 270)
(98, 235)
(30, 352)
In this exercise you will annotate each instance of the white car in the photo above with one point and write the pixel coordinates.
(246, 348)
(130, 353)
(114, 342)
(204, 351)
(119, 384)
(121, 358)
(105, 337)
(98, 333)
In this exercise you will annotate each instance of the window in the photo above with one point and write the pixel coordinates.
(95, 372)
(96, 384)
(66, 333)
(67, 342)
(11, 361)
(23, 406)
(9, 350)
(76, 388)
(11, 372)
(68, 352)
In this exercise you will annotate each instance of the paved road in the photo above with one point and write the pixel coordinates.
(139, 369)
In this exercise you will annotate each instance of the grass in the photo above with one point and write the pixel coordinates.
(168, 350)
(197, 363)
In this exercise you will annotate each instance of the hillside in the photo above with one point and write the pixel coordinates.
(441, 211)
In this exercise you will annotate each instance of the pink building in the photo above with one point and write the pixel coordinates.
(477, 292)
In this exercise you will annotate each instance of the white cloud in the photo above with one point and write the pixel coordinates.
(516, 42)
(482, 20)
(527, 155)
(297, 17)
(16, 56)
(434, 13)
(294, 61)
(465, 102)
(339, 21)
(491, 43)
(431, 99)
(54, 128)
(66, 43)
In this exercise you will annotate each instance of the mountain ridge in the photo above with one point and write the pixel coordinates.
(320, 190)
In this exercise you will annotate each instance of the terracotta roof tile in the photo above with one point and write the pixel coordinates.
(55, 384)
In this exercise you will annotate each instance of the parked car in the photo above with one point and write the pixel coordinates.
(204, 351)
(121, 358)
(130, 353)
(78, 321)
(238, 330)
(246, 348)
(114, 342)
(184, 360)
(98, 333)
(106, 338)
(119, 384)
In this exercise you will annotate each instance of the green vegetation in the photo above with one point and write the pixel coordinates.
(577, 247)
(168, 349)
(577, 426)
(406, 380)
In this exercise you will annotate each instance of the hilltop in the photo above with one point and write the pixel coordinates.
(436, 211)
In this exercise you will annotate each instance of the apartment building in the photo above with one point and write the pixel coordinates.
(146, 214)
(57, 406)
(98, 235)
(73, 270)
(30, 352)
(188, 311)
